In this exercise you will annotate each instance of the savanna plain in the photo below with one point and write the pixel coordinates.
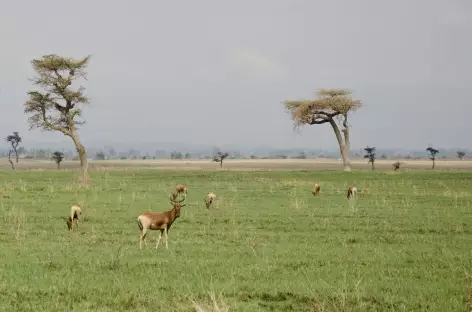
(267, 244)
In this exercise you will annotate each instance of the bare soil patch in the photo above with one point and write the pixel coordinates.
(241, 164)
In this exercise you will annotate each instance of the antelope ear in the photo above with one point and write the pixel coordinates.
(183, 205)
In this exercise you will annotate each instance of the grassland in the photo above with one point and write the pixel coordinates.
(267, 245)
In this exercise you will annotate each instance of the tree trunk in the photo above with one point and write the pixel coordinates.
(345, 156)
(221, 163)
(434, 163)
(82, 155)
(373, 166)
(59, 165)
(343, 143)
(16, 153)
(11, 162)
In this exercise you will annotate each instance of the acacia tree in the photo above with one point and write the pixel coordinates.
(370, 154)
(460, 154)
(219, 157)
(14, 139)
(331, 106)
(58, 157)
(56, 106)
(432, 151)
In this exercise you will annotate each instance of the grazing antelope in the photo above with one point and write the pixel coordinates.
(396, 166)
(75, 212)
(180, 188)
(351, 191)
(158, 221)
(316, 189)
(209, 200)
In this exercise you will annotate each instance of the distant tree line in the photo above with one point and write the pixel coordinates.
(111, 153)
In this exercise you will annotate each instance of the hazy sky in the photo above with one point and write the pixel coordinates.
(214, 71)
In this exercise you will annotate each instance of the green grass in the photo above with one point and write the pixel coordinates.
(267, 245)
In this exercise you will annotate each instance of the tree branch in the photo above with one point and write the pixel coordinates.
(322, 117)
(10, 161)
(347, 140)
(49, 125)
(318, 122)
(60, 108)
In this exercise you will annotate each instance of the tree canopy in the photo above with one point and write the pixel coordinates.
(329, 103)
(14, 139)
(56, 107)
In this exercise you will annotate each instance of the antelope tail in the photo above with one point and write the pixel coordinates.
(140, 225)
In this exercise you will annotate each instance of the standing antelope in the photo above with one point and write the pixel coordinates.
(316, 189)
(209, 200)
(181, 188)
(75, 212)
(158, 221)
(351, 191)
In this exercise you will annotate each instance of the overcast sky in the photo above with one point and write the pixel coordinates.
(213, 71)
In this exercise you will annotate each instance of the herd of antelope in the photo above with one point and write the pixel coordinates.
(163, 220)
(351, 191)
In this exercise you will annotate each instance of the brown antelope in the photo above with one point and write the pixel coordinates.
(396, 166)
(161, 221)
(351, 191)
(181, 188)
(75, 212)
(316, 189)
(209, 199)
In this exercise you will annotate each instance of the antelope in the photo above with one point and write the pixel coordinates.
(316, 189)
(351, 191)
(396, 165)
(209, 199)
(75, 212)
(161, 221)
(180, 188)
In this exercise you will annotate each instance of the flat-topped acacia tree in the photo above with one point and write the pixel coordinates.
(370, 155)
(58, 157)
(57, 106)
(432, 151)
(219, 157)
(14, 139)
(331, 106)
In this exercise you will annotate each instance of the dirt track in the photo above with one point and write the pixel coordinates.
(243, 165)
